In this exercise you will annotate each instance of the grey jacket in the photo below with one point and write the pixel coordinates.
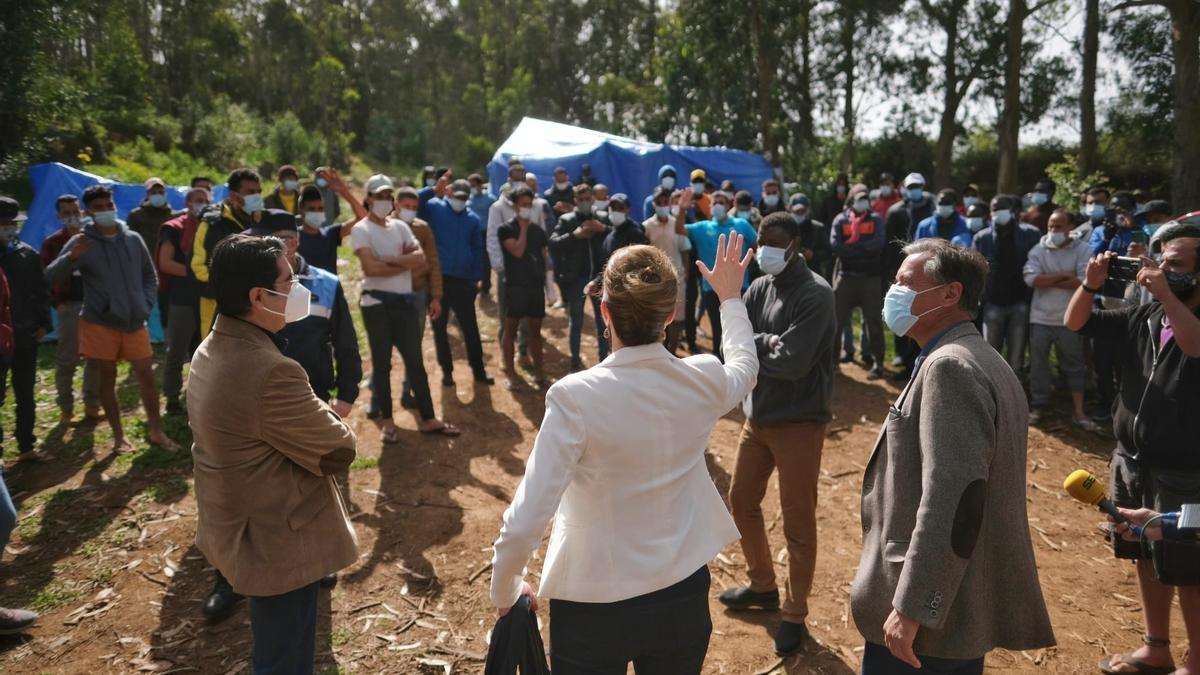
(945, 532)
(119, 282)
(795, 377)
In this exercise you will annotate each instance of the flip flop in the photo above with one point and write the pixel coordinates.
(446, 429)
(1140, 667)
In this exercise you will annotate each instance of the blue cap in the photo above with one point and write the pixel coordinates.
(662, 170)
(619, 197)
(799, 199)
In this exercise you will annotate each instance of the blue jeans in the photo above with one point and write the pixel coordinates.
(877, 660)
(285, 631)
(1008, 326)
(573, 296)
(8, 512)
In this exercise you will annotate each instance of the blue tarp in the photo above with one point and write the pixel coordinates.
(623, 164)
(50, 181)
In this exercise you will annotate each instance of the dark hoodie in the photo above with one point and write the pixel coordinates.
(119, 283)
(147, 220)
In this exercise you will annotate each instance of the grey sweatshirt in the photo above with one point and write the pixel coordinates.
(795, 377)
(119, 282)
(1050, 304)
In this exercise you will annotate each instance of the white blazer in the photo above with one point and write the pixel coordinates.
(619, 464)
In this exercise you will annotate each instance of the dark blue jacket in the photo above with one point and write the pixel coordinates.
(1004, 270)
(459, 236)
(28, 290)
(327, 337)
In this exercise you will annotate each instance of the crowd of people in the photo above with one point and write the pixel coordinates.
(252, 284)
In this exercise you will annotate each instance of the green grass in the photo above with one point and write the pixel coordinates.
(54, 595)
(364, 462)
(341, 636)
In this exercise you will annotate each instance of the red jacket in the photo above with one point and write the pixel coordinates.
(72, 289)
(882, 204)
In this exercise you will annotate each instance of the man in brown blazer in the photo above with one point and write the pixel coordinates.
(947, 570)
(270, 517)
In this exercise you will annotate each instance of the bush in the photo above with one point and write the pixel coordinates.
(230, 136)
(289, 143)
(137, 160)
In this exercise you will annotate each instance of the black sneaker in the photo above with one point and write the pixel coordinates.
(790, 637)
(847, 357)
(14, 621)
(744, 598)
(875, 373)
(483, 378)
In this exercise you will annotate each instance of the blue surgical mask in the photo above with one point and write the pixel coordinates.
(1096, 211)
(291, 184)
(975, 224)
(745, 215)
(772, 259)
(885, 190)
(862, 205)
(252, 204)
(916, 194)
(1039, 198)
(970, 200)
(1058, 238)
(771, 200)
(897, 308)
(157, 201)
(698, 189)
(1001, 216)
(945, 210)
(105, 218)
(718, 211)
(321, 182)
(668, 182)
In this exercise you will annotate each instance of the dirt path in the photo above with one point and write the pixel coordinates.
(107, 547)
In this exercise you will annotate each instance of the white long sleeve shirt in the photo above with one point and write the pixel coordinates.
(619, 465)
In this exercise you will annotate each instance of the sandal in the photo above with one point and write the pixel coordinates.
(446, 429)
(1111, 663)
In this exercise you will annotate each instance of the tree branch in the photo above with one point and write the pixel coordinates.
(1136, 3)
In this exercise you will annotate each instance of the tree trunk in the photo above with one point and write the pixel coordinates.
(1185, 50)
(1087, 91)
(805, 122)
(764, 72)
(1010, 115)
(948, 128)
(847, 40)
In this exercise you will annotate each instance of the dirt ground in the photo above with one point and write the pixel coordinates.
(105, 548)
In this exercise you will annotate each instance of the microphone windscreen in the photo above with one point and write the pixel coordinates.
(1084, 486)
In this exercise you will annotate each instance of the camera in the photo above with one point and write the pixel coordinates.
(1122, 271)
(1177, 556)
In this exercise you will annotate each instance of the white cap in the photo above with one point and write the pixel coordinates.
(914, 179)
(151, 182)
(378, 183)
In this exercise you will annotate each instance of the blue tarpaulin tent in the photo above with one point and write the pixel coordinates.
(50, 181)
(623, 164)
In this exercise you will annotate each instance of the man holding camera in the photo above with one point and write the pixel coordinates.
(1155, 464)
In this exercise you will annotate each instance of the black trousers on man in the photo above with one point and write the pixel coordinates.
(458, 296)
(285, 631)
(395, 323)
(23, 366)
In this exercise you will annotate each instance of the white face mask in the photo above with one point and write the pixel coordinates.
(314, 218)
(298, 303)
(945, 210)
(771, 200)
(616, 218)
(562, 185)
(718, 211)
(458, 205)
(600, 204)
(861, 205)
(662, 211)
(975, 224)
(196, 209)
(381, 207)
(104, 218)
(698, 189)
(72, 223)
(668, 182)
(157, 200)
(407, 215)
(290, 185)
(252, 204)
(771, 259)
(1001, 216)
(885, 190)
(526, 213)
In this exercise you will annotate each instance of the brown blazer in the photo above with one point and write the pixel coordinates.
(269, 514)
(945, 531)
(429, 276)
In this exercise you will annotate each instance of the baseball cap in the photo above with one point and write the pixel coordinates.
(272, 221)
(619, 198)
(379, 183)
(151, 182)
(1155, 206)
(914, 179)
(699, 175)
(10, 210)
(799, 199)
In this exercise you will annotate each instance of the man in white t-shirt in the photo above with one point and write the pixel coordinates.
(665, 230)
(389, 253)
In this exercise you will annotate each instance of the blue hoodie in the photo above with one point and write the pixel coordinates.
(648, 204)
(119, 282)
(960, 235)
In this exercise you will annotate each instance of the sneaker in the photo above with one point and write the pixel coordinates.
(875, 373)
(847, 357)
(790, 637)
(868, 362)
(744, 598)
(1088, 425)
(13, 621)
(898, 362)
(484, 378)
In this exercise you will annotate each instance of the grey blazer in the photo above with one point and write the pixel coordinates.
(945, 533)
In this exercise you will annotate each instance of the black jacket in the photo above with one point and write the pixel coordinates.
(814, 236)
(29, 291)
(326, 338)
(1155, 415)
(795, 378)
(575, 258)
(515, 643)
(900, 223)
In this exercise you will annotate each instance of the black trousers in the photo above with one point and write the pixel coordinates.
(389, 325)
(285, 632)
(877, 660)
(712, 308)
(663, 633)
(690, 298)
(1104, 360)
(23, 366)
(458, 296)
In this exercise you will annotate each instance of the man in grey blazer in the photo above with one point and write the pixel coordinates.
(947, 570)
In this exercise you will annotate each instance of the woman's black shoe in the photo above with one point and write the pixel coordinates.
(789, 639)
(744, 598)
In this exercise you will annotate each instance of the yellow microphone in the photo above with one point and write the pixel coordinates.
(1086, 488)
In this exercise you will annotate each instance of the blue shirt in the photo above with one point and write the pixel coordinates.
(960, 233)
(479, 205)
(320, 249)
(458, 236)
(705, 234)
(931, 345)
(1119, 244)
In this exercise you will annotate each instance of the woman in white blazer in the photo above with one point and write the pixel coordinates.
(619, 465)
